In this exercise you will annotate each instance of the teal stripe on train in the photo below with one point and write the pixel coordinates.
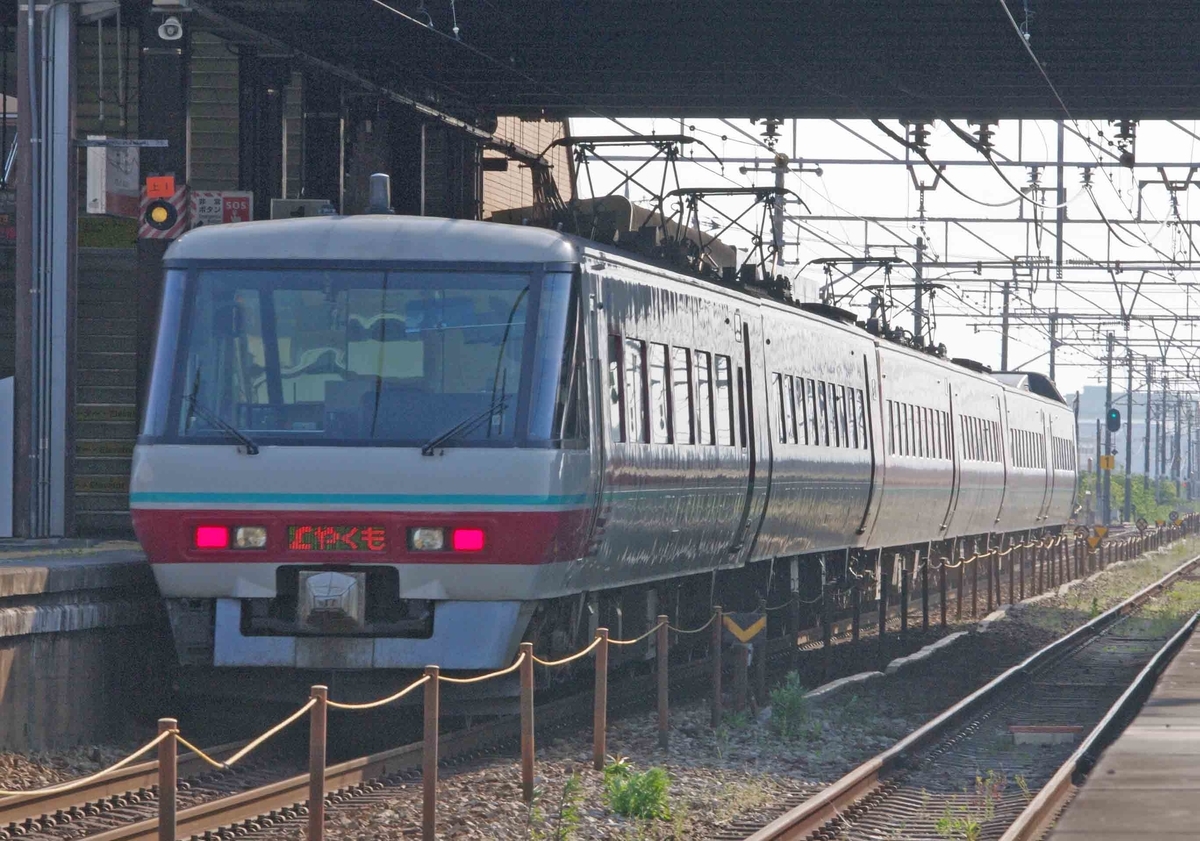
(214, 498)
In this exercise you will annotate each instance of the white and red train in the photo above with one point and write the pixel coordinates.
(380, 442)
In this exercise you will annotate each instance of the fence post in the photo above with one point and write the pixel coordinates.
(662, 642)
(167, 779)
(925, 591)
(429, 756)
(600, 713)
(942, 592)
(316, 762)
(715, 655)
(527, 744)
(741, 675)
(903, 599)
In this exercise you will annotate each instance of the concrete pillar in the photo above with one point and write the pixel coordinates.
(46, 218)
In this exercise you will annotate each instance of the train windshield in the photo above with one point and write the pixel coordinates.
(385, 357)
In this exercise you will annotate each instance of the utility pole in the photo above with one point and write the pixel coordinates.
(1059, 221)
(1108, 360)
(1162, 439)
(1127, 508)
(1146, 432)
(1099, 472)
(1175, 455)
(780, 169)
(1054, 325)
(918, 299)
(1004, 329)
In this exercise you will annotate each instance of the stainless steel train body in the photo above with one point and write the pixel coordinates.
(460, 423)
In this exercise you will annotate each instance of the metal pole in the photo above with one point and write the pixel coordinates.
(918, 298)
(1149, 423)
(1127, 508)
(1059, 222)
(1177, 452)
(1162, 439)
(1099, 472)
(1054, 315)
(317, 734)
(1108, 364)
(1004, 329)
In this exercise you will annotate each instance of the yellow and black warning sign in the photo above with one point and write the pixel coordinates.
(743, 627)
(1093, 542)
(1101, 531)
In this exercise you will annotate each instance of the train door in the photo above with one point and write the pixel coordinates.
(1047, 426)
(596, 349)
(955, 460)
(754, 504)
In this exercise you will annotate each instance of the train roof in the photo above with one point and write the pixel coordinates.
(373, 237)
(434, 239)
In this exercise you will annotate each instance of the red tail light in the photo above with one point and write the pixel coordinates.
(212, 537)
(467, 540)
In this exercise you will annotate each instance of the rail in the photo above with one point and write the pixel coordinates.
(124, 775)
(810, 816)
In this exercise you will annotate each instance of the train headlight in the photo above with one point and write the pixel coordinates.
(427, 539)
(250, 537)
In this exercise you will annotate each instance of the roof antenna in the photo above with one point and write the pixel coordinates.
(380, 195)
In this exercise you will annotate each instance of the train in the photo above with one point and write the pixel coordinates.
(378, 442)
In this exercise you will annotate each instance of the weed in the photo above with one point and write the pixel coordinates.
(636, 795)
(567, 816)
(965, 821)
(1094, 611)
(1023, 784)
(739, 720)
(790, 710)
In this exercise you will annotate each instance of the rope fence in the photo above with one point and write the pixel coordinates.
(1060, 557)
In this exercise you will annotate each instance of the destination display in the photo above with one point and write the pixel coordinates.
(337, 538)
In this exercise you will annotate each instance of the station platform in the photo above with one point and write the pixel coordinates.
(1147, 784)
(81, 633)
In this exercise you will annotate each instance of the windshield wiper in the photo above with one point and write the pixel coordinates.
(222, 424)
(465, 426)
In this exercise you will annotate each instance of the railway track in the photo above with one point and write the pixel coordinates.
(999, 762)
(255, 797)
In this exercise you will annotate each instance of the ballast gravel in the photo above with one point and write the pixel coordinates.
(743, 771)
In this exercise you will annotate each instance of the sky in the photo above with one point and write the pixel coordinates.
(1133, 221)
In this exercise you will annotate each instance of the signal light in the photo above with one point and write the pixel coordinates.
(467, 540)
(161, 215)
(212, 537)
(1114, 420)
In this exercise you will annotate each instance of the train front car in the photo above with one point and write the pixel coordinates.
(365, 446)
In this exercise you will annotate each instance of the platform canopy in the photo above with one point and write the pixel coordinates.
(1109, 59)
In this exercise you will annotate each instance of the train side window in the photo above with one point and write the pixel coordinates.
(930, 446)
(843, 415)
(891, 408)
(724, 402)
(681, 395)
(914, 430)
(793, 422)
(660, 416)
(801, 411)
(777, 389)
(852, 416)
(789, 407)
(636, 428)
(862, 419)
(616, 391)
(810, 390)
(704, 398)
(918, 448)
(835, 414)
(905, 429)
(823, 408)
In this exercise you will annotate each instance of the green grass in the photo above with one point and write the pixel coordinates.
(636, 795)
